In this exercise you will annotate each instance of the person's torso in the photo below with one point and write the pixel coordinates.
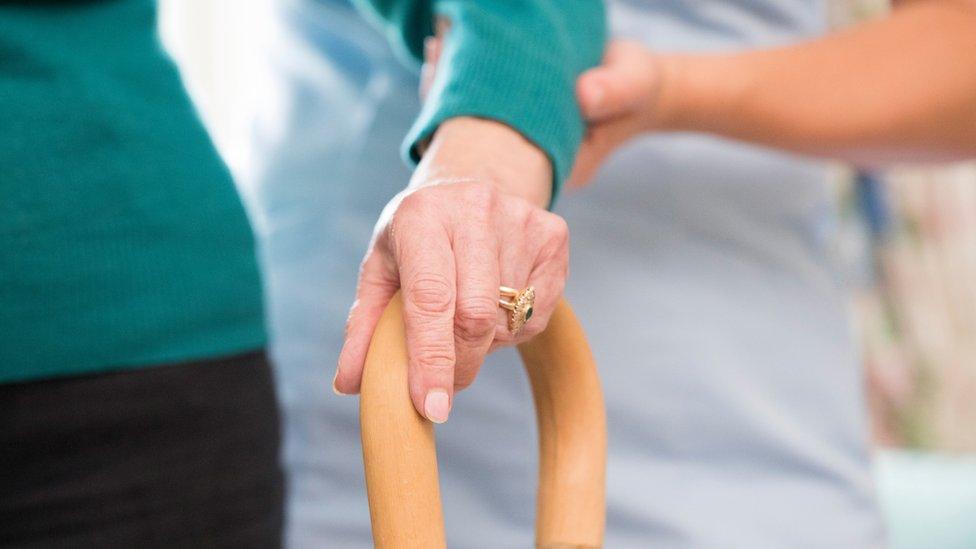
(700, 268)
(122, 240)
(735, 398)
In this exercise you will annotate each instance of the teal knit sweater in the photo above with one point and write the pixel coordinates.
(122, 241)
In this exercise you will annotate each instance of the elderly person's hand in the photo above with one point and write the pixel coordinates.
(472, 219)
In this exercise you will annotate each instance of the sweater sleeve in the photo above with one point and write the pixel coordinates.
(515, 61)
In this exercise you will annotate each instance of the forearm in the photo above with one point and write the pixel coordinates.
(512, 61)
(899, 89)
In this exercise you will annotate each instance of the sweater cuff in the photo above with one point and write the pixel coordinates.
(492, 68)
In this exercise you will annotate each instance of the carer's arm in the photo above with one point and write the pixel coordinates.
(898, 89)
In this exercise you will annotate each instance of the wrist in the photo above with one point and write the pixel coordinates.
(697, 91)
(468, 148)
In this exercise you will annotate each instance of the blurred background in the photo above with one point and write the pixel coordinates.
(908, 239)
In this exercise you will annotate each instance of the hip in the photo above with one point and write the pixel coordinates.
(180, 455)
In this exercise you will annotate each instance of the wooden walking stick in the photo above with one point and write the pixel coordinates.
(400, 456)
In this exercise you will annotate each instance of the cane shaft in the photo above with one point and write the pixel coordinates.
(399, 450)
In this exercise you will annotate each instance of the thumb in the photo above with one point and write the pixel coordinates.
(624, 83)
(607, 92)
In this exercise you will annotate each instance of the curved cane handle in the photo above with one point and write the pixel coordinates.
(401, 460)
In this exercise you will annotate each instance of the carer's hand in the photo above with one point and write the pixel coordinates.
(472, 219)
(622, 98)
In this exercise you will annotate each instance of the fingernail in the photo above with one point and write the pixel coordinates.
(334, 388)
(437, 405)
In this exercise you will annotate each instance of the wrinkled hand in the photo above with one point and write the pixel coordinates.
(472, 219)
(619, 100)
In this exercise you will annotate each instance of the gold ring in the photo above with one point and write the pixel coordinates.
(520, 306)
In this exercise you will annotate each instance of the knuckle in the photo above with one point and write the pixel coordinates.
(413, 201)
(556, 226)
(555, 242)
(415, 209)
(435, 357)
(406, 215)
(475, 318)
(430, 293)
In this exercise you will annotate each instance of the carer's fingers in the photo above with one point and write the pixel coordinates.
(601, 139)
(428, 71)
(433, 46)
(619, 86)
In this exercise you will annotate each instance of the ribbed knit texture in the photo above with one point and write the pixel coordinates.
(123, 242)
(515, 61)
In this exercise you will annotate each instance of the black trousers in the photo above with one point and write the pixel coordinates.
(172, 456)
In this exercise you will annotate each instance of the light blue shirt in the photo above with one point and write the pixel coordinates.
(702, 269)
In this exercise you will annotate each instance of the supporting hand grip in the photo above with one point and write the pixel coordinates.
(400, 456)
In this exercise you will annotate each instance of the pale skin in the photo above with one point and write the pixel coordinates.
(900, 89)
(896, 90)
(472, 219)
